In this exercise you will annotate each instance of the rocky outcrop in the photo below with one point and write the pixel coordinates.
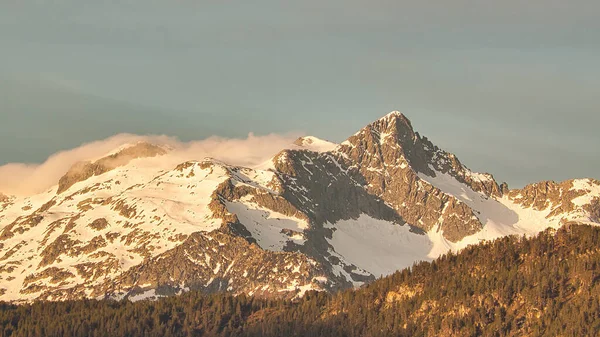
(397, 139)
(388, 155)
(540, 195)
(84, 170)
(99, 224)
(594, 209)
(326, 188)
(62, 245)
(55, 275)
(5, 202)
(221, 262)
(557, 197)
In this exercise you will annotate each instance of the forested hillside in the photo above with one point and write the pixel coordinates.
(543, 286)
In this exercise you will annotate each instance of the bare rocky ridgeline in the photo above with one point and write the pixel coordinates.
(274, 232)
(389, 154)
(4, 202)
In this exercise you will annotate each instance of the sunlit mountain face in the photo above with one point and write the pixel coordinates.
(144, 221)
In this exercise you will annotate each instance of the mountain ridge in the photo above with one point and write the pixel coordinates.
(313, 218)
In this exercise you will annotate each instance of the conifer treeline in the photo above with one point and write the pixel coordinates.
(544, 286)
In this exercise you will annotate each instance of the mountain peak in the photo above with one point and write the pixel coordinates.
(315, 144)
(395, 117)
(393, 131)
(394, 128)
(83, 170)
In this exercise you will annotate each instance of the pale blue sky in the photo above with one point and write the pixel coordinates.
(511, 87)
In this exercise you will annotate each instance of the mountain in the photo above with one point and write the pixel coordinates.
(547, 285)
(318, 216)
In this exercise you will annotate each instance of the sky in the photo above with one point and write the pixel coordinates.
(511, 87)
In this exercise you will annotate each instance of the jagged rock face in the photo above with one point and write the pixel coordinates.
(568, 197)
(389, 155)
(392, 140)
(219, 261)
(322, 216)
(324, 188)
(327, 189)
(541, 195)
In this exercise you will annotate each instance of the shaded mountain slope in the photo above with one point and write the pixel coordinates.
(548, 285)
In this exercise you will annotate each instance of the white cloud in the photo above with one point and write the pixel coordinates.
(26, 179)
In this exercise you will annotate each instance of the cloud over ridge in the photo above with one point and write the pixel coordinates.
(23, 179)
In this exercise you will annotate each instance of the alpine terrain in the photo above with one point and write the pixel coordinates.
(318, 216)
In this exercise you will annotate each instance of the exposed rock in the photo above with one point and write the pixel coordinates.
(594, 209)
(325, 188)
(122, 207)
(389, 154)
(45, 207)
(99, 224)
(84, 170)
(8, 267)
(302, 141)
(55, 274)
(96, 243)
(112, 236)
(539, 195)
(5, 201)
(21, 225)
(220, 262)
(558, 197)
(10, 252)
(51, 253)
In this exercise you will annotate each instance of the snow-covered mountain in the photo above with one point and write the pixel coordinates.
(318, 215)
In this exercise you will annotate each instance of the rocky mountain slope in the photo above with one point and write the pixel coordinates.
(318, 216)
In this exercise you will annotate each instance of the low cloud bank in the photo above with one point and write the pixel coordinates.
(27, 179)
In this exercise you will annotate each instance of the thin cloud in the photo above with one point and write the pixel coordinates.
(22, 179)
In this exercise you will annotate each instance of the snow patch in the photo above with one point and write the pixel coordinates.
(315, 144)
(378, 246)
(268, 227)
